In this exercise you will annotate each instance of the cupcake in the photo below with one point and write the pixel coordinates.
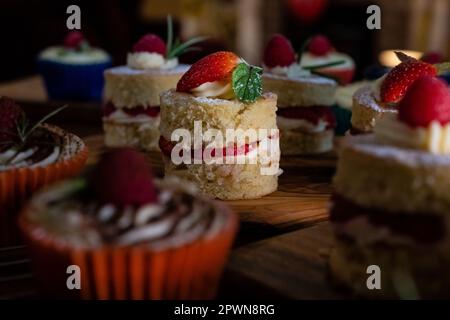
(132, 236)
(131, 97)
(219, 131)
(391, 204)
(338, 65)
(73, 71)
(31, 157)
(304, 114)
(374, 101)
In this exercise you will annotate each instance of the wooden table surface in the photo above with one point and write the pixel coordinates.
(279, 251)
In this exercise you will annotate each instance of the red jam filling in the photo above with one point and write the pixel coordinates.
(423, 227)
(310, 114)
(167, 146)
(109, 108)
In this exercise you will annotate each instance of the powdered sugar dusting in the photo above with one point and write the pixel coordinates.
(409, 157)
(365, 96)
(181, 68)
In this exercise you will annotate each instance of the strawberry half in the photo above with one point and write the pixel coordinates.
(218, 66)
(401, 77)
(123, 178)
(425, 101)
(319, 45)
(279, 52)
(10, 115)
(150, 43)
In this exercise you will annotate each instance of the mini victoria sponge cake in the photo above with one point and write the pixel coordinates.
(390, 209)
(223, 181)
(131, 115)
(304, 118)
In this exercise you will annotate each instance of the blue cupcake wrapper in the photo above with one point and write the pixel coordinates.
(343, 117)
(78, 82)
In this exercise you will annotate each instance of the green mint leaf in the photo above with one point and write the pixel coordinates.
(247, 82)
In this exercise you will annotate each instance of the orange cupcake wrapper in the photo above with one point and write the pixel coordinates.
(17, 185)
(190, 271)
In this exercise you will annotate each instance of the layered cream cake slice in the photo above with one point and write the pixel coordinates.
(304, 116)
(391, 204)
(380, 98)
(223, 127)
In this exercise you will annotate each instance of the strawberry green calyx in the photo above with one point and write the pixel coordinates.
(247, 82)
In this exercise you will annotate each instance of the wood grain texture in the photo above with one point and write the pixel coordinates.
(301, 200)
(293, 266)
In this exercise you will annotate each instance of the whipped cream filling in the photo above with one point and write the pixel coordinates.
(122, 117)
(434, 139)
(309, 59)
(64, 55)
(376, 87)
(301, 124)
(215, 89)
(10, 158)
(150, 60)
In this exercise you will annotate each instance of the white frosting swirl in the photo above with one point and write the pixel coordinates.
(435, 138)
(309, 59)
(64, 55)
(292, 71)
(21, 159)
(150, 60)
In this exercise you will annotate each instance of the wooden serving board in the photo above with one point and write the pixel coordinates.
(301, 199)
(292, 266)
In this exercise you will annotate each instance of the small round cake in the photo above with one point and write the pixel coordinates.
(131, 94)
(391, 203)
(133, 237)
(383, 96)
(222, 138)
(304, 115)
(73, 71)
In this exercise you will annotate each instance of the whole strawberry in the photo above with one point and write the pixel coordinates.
(10, 115)
(279, 52)
(73, 39)
(425, 101)
(150, 43)
(218, 66)
(401, 77)
(123, 178)
(319, 45)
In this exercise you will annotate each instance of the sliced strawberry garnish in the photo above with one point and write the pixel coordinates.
(109, 108)
(401, 77)
(73, 39)
(150, 43)
(279, 52)
(218, 66)
(310, 114)
(426, 100)
(319, 45)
